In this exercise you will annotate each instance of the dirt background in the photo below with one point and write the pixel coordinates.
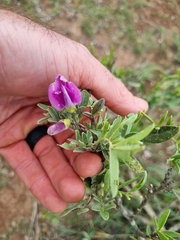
(16, 202)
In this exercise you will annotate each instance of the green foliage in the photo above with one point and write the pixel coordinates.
(165, 234)
(118, 141)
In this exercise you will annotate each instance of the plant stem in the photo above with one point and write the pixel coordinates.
(152, 191)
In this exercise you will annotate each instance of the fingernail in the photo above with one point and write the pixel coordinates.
(141, 104)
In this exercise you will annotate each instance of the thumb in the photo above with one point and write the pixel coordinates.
(102, 83)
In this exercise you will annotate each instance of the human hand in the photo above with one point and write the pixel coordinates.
(31, 57)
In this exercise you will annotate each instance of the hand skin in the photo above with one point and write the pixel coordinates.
(31, 56)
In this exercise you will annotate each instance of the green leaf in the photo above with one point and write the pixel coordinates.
(95, 132)
(107, 179)
(80, 149)
(82, 210)
(111, 206)
(43, 106)
(122, 185)
(177, 193)
(42, 120)
(163, 118)
(114, 128)
(89, 137)
(105, 127)
(140, 135)
(65, 146)
(170, 121)
(171, 233)
(84, 138)
(104, 214)
(53, 113)
(162, 134)
(96, 208)
(135, 165)
(141, 183)
(148, 230)
(77, 135)
(114, 172)
(96, 198)
(162, 236)
(175, 162)
(85, 98)
(98, 106)
(80, 110)
(163, 219)
(73, 207)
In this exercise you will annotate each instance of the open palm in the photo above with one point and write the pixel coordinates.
(30, 58)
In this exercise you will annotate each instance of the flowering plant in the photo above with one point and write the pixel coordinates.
(116, 140)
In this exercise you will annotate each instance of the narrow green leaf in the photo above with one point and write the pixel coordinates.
(105, 127)
(162, 134)
(80, 150)
(176, 164)
(171, 233)
(130, 119)
(89, 137)
(170, 121)
(177, 193)
(122, 185)
(107, 179)
(96, 198)
(84, 138)
(148, 230)
(163, 219)
(43, 106)
(42, 120)
(72, 208)
(114, 129)
(66, 146)
(114, 172)
(163, 118)
(141, 183)
(162, 236)
(140, 135)
(77, 135)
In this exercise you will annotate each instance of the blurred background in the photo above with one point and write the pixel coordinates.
(139, 41)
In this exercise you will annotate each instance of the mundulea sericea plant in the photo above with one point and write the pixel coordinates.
(116, 140)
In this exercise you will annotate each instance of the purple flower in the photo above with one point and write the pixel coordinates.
(63, 94)
(58, 127)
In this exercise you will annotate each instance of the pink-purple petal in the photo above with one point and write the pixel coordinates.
(63, 94)
(56, 128)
